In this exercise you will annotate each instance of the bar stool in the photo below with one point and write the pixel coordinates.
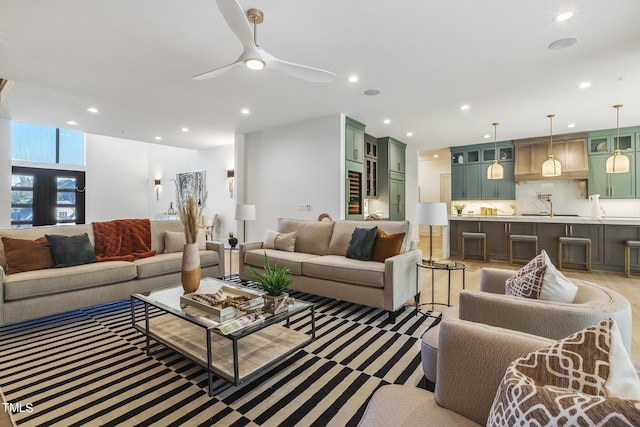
(629, 244)
(584, 241)
(521, 238)
(475, 236)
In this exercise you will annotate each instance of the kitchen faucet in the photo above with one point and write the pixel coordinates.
(547, 198)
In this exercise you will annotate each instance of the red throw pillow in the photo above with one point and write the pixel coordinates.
(386, 245)
(27, 255)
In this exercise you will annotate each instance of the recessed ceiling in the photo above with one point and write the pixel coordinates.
(133, 62)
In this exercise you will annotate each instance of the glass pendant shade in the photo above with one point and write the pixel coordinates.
(495, 171)
(551, 167)
(618, 162)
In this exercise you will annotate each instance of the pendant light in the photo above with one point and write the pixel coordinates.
(551, 167)
(617, 162)
(495, 170)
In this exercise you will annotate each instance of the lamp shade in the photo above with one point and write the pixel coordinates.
(617, 163)
(551, 167)
(432, 214)
(245, 213)
(495, 171)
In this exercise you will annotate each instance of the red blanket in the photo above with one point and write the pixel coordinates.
(122, 240)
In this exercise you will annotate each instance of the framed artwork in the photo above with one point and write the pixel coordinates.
(192, 184)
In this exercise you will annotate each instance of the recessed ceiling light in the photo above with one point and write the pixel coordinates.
(464, 107)
(571, 125)
(487, 136)
(92, 110)
(435, 156)
(353, 79)
(72, 123)
(584, 85)
(386, 121)
(372, 92)
(563, 43)
(564, 16)
(185, 129)
(409, 133)
(245, 111)
(158, 138)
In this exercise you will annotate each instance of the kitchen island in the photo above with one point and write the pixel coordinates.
(607, 235)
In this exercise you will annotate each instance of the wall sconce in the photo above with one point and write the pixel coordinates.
(157, 189)
(230, 176)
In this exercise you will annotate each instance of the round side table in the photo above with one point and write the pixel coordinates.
(433, 266)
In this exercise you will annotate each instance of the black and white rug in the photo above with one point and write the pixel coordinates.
(89, 367)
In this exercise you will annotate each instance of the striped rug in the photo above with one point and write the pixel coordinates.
(89, 367)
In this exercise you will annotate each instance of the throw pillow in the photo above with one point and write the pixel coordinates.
(361, 244)
(386, 245)
(27, 255)
(280, 241)
(68, 251)
(585, 379)
(555, 285)
(174, 241)
(527, 285)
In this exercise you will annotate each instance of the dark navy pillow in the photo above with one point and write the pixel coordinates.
(68, 251)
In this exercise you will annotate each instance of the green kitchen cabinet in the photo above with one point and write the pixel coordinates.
(391, 176)
(397, 200)
(465, 182)
(612, 185)
(499, 189)
(354, 141)
(469, 166)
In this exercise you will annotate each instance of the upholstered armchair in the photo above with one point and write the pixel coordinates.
(550, 319)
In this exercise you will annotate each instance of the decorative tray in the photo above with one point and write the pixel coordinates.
(225, 302)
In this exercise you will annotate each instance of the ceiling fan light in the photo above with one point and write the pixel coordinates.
(254, 63)
(617, 163)
(551, 167)
(495, 171)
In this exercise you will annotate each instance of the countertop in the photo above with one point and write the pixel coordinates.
(545, 218)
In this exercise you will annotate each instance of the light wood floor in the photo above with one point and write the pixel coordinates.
(629, 287)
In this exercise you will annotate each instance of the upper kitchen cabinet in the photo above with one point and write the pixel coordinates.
(396, 151)
(371, 166)
(569, 149)
(354, 140)
(391, 176)
(602, 143)
(605, 141)
(469, 166)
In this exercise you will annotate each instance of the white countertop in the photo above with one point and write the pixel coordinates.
(543, 218)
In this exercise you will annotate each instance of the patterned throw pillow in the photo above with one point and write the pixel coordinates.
(527, 284)
(585, 379)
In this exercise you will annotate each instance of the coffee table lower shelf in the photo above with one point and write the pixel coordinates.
(255, 354)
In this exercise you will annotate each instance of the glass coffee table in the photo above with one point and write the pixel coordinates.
(236, 357)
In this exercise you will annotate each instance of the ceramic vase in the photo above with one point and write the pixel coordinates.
(275, 305)
(190, 273)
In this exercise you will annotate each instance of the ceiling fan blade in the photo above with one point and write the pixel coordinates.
(217, 72)
(237, 21)
(303, 72)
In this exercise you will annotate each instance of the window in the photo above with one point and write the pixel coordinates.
(46, 197)
(43, 144)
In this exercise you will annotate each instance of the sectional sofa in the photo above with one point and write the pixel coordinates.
(31, 294)
(318, 265)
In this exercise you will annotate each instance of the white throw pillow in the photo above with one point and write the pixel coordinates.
(280, 241)
(174, 241)
(555, 285)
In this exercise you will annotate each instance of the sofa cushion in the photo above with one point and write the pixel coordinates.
(56, 280)
(27, 255)
(343, 230)
(68, 251)
(280, 241)
(387, 245)
(162, 264)
(584, 379)
(290, 260)
(312, 237)
(174, 241)
(361, 243)
(341, 269)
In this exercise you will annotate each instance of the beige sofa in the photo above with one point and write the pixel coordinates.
(38, 293)
(550, 319)
(318, 264)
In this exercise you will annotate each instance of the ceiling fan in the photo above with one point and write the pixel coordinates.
(254, 57)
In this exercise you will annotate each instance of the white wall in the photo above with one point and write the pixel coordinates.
(290, 166)
(5, 173)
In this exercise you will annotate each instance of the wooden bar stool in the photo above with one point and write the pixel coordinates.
(629, 244)
(521, 238)
(475, 236)
(584, 241)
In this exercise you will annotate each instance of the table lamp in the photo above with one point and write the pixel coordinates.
(431, 214)
(245, 213)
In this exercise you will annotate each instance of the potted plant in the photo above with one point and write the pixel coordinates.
(233, 240)
(273, 281)
(459, 207)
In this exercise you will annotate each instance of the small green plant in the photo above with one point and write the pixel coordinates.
(231, 236)
(459, 206)
(274, 280)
